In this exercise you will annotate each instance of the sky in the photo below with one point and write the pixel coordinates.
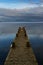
(29, 8)
(23, 10)
(13, 1)
(18, 4)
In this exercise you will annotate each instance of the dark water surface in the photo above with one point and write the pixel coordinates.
(36, 42)
(5, 42)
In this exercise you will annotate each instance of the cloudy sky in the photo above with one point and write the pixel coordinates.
(21, 10)
(19, 4)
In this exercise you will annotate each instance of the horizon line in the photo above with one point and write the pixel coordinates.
(21, 22)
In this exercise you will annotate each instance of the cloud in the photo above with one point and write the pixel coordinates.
(22, 15)
(27, 8)
(41, 1)
(30, 13)
(18, 5)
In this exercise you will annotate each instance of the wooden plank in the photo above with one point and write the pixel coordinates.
(21, 52)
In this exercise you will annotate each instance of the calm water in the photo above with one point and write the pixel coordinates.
(36, 42)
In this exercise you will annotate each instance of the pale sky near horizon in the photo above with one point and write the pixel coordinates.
(19, 4)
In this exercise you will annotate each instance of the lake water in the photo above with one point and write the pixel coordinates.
(36, 42)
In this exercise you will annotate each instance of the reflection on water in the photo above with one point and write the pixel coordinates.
(37, 45)
(35, 41)
(5, 41)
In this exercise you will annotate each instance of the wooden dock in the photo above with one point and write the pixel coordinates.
(21, 52)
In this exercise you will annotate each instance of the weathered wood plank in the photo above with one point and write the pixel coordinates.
(21, 52)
